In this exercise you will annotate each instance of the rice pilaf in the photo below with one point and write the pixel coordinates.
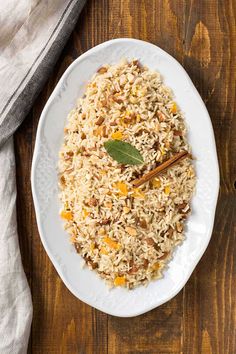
(126, 234)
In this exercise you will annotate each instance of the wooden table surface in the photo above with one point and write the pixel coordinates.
(201, 35)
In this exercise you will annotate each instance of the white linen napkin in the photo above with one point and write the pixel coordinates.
(32, 35)
(15, 298)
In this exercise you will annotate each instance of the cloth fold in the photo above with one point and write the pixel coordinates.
(27, 54)
(33, 33)
(15, 298)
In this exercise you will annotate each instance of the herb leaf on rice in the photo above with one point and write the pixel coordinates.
(123, 152)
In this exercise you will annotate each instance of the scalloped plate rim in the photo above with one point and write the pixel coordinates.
(43, 117)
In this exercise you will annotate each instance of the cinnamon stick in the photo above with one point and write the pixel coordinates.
(161, 168)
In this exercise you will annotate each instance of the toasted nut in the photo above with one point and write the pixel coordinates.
(179, 227)
(150, 241)
(184, 208)
(77, 247)
(105, 221)
(103, 103)
(141, 222)
(104, 132)
(161, 116)
(127, 120)
(156, 266)
(118, 100)
(126, 210)
(131, 231)
(156, 247)
(102, 70)
(156, 145)
(90, 262)
(178, 133)
(133, 270)
(170, 232)
(100, 121)
(165, 254)
(62, 180)
(83, 136)
(101, 231)
(94, 265)
(93, 202)
(108, 205)
(137, 63)
(69, 170)
(101, 131)
(122, 168)
(97, 177)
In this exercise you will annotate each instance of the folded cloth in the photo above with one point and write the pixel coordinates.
(33, 33)
(15, 299)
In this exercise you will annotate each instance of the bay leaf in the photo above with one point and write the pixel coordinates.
(123, 152)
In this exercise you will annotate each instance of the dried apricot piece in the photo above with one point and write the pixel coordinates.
(67, 215)
(103, 251)
(119, 281)
(156, 266)
(174, 108)
(117, 135)
(111, 243)
(137, 193)
(156, 182)
(167, 190)
(122, 187)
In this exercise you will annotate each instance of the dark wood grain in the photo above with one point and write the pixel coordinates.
(202, 317)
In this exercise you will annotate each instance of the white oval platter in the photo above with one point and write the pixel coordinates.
(84, 283)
